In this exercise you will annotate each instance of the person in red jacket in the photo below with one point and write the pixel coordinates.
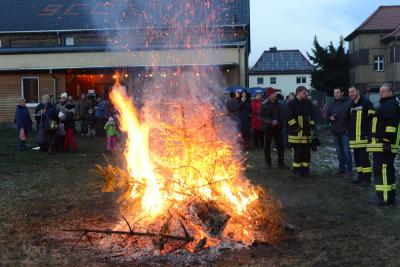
(258, 135)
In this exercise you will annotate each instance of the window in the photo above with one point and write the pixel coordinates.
(30, 89)
(0, 43)
(260, 80)
(300, 80)
(69, 41)
(272, 80)
(379, 62)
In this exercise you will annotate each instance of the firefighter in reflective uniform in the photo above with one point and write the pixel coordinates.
(300, 125)
(361, 113)
(385, 145)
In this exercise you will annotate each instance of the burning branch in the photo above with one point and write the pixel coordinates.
(131, 233)
(189, 169)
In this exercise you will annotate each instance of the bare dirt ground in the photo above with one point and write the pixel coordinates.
(337, 223)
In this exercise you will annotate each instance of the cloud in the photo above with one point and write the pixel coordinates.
(289, 24)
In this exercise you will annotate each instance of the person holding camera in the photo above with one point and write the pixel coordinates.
(339, 118)
(301, 124)
(270, 114)
(245, 118)
(384, 145)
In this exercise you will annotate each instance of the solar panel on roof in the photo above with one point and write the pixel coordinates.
(52, 15)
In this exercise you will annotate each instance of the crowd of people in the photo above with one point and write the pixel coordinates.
(56, 122)
(356, 125)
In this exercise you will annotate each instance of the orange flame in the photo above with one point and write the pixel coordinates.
(137, 153)
(186, 159)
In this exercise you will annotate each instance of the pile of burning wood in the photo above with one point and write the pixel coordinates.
(184, 190)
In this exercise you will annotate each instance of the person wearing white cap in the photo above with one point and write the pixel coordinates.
(61, 108)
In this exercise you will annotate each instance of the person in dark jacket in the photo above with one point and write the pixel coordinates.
(47, 134)
(101, 115)
(301, 124)
(258, 135)
(339, 117)
(91, 120)
(270, 115)
(24, 123)
(384, 145)
(38, 115)
(285, 108)
(69, 122)
(83, 113)
(232, 106)
(60, 106)
(245, 118)
(361, 113)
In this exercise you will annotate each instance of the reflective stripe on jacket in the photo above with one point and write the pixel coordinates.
(386, 127)
(361, 114)
(300, 122)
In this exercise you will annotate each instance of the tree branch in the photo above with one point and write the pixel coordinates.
(110, 232)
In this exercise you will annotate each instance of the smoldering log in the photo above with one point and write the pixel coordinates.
(212, 218)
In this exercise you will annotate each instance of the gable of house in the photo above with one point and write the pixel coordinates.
(384, 20)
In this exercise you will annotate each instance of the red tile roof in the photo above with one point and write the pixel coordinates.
(385, 19)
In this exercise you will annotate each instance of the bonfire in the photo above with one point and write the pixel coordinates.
(183, 186)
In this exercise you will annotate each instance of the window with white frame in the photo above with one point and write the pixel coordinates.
(301, 80)
(260, 80)
(69, 41)
(30, 89)
(272, 80)
(379, 63)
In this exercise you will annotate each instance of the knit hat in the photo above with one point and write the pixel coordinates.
(64, 95)
(270, 91)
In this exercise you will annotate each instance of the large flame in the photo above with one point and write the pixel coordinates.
(137, 153)
(161, 191)
(187, 158)
(181, 148)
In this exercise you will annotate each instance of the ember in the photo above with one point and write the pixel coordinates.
(183, 186)
(186, 184)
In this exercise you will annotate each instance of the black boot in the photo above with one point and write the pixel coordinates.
(296, 172)
(282, 166)
(305, 172)
(358, 180)
(269, 165)
(366, 180)
(365, 183)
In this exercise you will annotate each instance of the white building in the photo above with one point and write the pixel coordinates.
(284, 70)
